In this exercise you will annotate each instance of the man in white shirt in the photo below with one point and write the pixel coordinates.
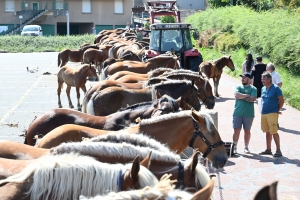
(275, 76)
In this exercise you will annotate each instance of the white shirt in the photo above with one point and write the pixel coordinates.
(275, 78)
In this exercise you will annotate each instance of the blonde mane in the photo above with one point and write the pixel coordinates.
(125, 150)
(135, 139)
(163, 190)
(68, 176)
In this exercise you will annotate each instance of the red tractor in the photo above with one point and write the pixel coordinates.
(175, 37)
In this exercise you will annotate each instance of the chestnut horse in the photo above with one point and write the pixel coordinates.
(192, 177)
(214, 70)
(73, 55)
(110, 99)
(68, 176)
(74, 78)
(164, 60)
(116, 121)
(96, 56)
(177, 130)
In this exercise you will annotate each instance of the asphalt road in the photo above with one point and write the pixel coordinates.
(25, 95)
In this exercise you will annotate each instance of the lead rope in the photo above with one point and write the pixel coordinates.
(218, 176)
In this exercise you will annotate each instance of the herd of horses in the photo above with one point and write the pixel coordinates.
(124, 140)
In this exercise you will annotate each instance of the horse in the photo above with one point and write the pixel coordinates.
(190, 175)
(116, 121)
(214, 70)
(72, 55)
(120, 74)
(177, 130)
(96, 56)
(164, 190)
(203, 85)
(74, 78)
(164, 60)
(110, 99)
(68, 176)
(109, 83)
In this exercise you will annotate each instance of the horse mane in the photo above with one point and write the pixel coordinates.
(171, 82)
(125, 150)
(147, 82)
(163, 190)
(79, 175)
(89, 46)
(136, 106)
(168, 54)
(158, 70)
(181, 114)
(135, 139)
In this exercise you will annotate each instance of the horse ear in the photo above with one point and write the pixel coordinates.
(194, 162)
(135, 168)
(229, 56)
(267, 192)
(205, 193)
(179, 102)
(147, 161)
(193, 82)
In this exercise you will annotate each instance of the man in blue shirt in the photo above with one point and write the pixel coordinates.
(272, 102)
(243, 114)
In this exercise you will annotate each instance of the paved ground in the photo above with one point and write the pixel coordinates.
(25, 95)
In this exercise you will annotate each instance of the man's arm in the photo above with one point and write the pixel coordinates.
(239, 95)
(280, 105)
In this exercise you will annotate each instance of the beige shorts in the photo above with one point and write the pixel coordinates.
(269, 123)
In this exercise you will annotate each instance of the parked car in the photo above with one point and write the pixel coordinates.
(32, 30)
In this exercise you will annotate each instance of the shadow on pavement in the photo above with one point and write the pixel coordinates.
(221, 99)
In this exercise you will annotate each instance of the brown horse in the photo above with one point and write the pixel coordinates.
(72, 55)
(74, 78)
(203, 85)
(120, 74)
(96, 56)
(214, 70)
(164, 60)
(116, 121)
(111, 99)
(177, 130)
(79, 175)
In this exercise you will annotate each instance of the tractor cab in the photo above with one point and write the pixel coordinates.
(174, 37)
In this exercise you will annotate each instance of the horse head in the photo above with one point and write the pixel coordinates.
(92, 73)
(137, 177)
(229, 63)
(165, 104)
(209, 141)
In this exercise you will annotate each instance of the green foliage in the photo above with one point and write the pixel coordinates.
(147, 25)
(274, 34)
(167, 19)
(218, 3)
(17, 43)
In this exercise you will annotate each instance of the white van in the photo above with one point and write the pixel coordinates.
(32, 30)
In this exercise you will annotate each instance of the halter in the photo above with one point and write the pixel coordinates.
(200, 134)
(180, 174)
(206, 97)
(120, 181)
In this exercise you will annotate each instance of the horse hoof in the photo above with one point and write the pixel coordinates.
(71, 106)
(59, 106)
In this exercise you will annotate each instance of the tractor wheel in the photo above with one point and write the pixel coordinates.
(195, 61)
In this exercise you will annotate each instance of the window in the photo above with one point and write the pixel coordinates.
(59, 4)
(9, 6)
(86, 6)
(118, 6)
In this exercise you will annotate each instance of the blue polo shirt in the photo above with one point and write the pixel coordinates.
(270, 99)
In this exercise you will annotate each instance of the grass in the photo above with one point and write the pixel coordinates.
(25, 44)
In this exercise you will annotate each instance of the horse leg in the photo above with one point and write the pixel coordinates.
(216, 84)
(68, 94)
(60, 84)
(99, 67)
(78, 98)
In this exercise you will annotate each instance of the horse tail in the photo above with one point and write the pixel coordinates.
(103, 73)
(90, 105)
(58, 60)
(85, 101)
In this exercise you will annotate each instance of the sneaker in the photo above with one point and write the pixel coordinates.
(277, 154)
(246, 150)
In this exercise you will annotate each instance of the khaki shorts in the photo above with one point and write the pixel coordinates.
(269, 123)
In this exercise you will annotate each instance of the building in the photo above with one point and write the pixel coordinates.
(81, 15)
(53, 16)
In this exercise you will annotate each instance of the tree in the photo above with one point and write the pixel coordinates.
(167, 19)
